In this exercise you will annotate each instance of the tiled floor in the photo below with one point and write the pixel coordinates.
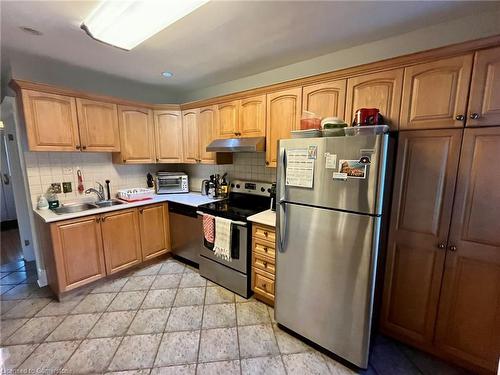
(165, 319)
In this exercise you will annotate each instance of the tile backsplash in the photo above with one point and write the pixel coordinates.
(246, 166)
(44, 168)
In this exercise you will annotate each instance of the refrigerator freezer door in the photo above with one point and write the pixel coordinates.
(325, 277)
(352, 194)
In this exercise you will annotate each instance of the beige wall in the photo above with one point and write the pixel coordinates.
(460, 30)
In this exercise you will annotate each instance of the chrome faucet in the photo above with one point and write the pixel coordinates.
(100, 192)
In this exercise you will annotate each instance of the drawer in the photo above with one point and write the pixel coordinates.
(263, 283)
(263, 262)
(264, 233)
(264, 248)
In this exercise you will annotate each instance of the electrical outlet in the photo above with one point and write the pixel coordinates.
(67, 187)
(56, 187)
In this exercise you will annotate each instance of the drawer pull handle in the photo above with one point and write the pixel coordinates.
(265, 264)
(265, 249)
(265, 234)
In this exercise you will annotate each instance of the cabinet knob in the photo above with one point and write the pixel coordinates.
(441, 246)
(103, 219)
(157, 160)
(84, 147)
(267, 163)
(460, 118)
(453, 248)
(77, 147)
(265, 249)
(141, 211)
(264, 286)
(266, 234)
(97, 219)
(265, 264)
(474, 116)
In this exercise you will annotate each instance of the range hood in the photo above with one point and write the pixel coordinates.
(253, 144)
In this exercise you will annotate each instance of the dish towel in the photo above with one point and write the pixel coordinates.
(222, 244)
(209, 227)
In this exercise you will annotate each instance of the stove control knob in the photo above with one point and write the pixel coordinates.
(232, 185)
(269, 190)
(262, 189)
(237, 186)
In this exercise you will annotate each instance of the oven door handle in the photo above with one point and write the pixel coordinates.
(240, 223)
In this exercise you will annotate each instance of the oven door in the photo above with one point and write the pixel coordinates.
(239, 250)
(170, 184)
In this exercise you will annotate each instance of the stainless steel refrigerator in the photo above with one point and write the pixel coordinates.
(329, 214)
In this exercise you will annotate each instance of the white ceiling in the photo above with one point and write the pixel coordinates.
(222, 40)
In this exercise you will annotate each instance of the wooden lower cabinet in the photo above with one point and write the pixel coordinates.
(263, 262)
(80, 251)
(442, 282)
(77, 253)
(154, 227)
(121, 241)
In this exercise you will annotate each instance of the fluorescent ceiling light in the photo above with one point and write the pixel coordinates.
(126, 24)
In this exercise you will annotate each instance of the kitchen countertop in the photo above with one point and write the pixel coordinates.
(193, 199)
(267, 217)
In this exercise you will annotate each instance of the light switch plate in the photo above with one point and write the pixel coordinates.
(67, 187)
(56, 187)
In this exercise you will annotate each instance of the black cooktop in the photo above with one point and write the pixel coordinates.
(238, 206)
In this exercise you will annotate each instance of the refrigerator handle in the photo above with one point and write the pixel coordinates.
(282, 227)
(282, 177)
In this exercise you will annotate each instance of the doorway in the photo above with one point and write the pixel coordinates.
(10, 239)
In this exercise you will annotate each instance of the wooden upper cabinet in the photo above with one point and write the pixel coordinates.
(121, 241)
(98, 124)
(424, 186)
(325, 99)
(228, 119)
(283, 116)
(191, 147)
(207, 128)
(168, 136)
(78, 254)
(469, 313)
(155, 233)
(252, 121)
(484, 98)
(435, 94)
(136, 135)
(51, 121)
(380, 90)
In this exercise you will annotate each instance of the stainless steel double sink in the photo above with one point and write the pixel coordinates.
(79, 207)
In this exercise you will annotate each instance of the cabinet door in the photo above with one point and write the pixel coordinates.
(120, 237)
(168, 134)
(98, 123)
(207, 128)
(435, 94)
(190, 136)
(427, 163)
(228, 119)
(136, 134)
(51, 121)
(283, 116)
(468, 325)
(380, 90)
(253, 117)
(155, 233)
(484, 98)
(78, 253)
(325, 99)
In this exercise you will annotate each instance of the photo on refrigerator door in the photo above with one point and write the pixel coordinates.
(352, 168)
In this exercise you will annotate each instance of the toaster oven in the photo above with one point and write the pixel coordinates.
(171, 183)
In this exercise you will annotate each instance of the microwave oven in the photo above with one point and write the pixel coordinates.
(171, 183)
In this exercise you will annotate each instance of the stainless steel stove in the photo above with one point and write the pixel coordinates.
(246, 198)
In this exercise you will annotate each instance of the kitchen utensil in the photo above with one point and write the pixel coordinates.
(149, 180)
(81, 189)
(204, 187)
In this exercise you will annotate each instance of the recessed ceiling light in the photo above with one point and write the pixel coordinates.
(30, 30)
(126, 24)
(167, 74)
